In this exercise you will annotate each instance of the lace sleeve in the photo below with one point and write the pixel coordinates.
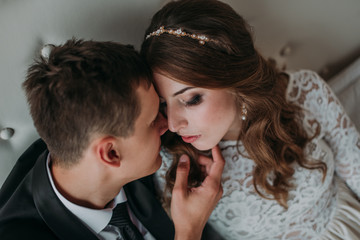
(336, 128)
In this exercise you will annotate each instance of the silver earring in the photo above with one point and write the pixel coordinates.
(243, 112)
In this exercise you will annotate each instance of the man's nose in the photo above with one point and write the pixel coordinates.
(162, 123)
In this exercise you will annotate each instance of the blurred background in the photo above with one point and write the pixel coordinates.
(321, 35)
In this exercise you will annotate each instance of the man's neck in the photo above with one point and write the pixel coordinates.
(86, 188)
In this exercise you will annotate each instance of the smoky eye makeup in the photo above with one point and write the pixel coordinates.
(195, 100)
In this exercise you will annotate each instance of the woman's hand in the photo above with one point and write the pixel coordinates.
(191, 208)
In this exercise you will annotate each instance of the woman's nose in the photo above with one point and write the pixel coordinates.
(176, 121)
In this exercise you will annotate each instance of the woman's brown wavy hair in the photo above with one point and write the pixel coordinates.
(271, 134)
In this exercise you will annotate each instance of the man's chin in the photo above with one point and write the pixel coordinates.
(157, 163)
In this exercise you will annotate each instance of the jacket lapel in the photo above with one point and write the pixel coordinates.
(148, 209)
(58, 218)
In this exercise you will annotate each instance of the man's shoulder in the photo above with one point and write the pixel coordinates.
(17, 179)
(32, 152)
(28, 228)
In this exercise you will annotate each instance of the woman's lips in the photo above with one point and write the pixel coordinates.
(190, 139)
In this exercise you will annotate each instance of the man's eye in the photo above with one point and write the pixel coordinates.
(194, 101)
(155, 120)
(162, 108)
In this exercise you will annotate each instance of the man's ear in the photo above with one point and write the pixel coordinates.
(108, 150)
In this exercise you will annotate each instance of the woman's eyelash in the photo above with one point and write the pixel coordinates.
(194, 101)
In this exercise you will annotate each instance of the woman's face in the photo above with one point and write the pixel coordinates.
(200, 116)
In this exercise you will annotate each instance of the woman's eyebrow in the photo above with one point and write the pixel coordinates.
(182, 91)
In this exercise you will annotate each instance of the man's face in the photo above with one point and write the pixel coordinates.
(141, 153)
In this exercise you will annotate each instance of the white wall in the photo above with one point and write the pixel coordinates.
(319, 32)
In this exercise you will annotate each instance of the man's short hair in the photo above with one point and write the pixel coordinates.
(84, 88)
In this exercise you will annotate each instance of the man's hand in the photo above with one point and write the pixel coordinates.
(191, 208)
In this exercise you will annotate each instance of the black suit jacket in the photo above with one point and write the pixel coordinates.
(30, 209)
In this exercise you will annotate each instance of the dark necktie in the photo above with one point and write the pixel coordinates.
(121, 219)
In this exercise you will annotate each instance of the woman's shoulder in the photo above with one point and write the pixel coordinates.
(304, 85)
(303, 77)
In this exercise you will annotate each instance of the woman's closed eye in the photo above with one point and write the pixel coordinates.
(197, 99)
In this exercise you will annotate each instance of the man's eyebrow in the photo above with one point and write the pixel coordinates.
(182, 91)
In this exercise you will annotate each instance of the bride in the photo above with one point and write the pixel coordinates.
(292, 154)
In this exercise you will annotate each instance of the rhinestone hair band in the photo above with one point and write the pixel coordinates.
(179, 33)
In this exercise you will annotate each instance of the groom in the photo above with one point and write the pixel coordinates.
(96, 112)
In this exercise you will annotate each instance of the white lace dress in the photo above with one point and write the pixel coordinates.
(316, 209)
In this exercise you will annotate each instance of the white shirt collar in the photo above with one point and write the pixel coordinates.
(96, 219)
